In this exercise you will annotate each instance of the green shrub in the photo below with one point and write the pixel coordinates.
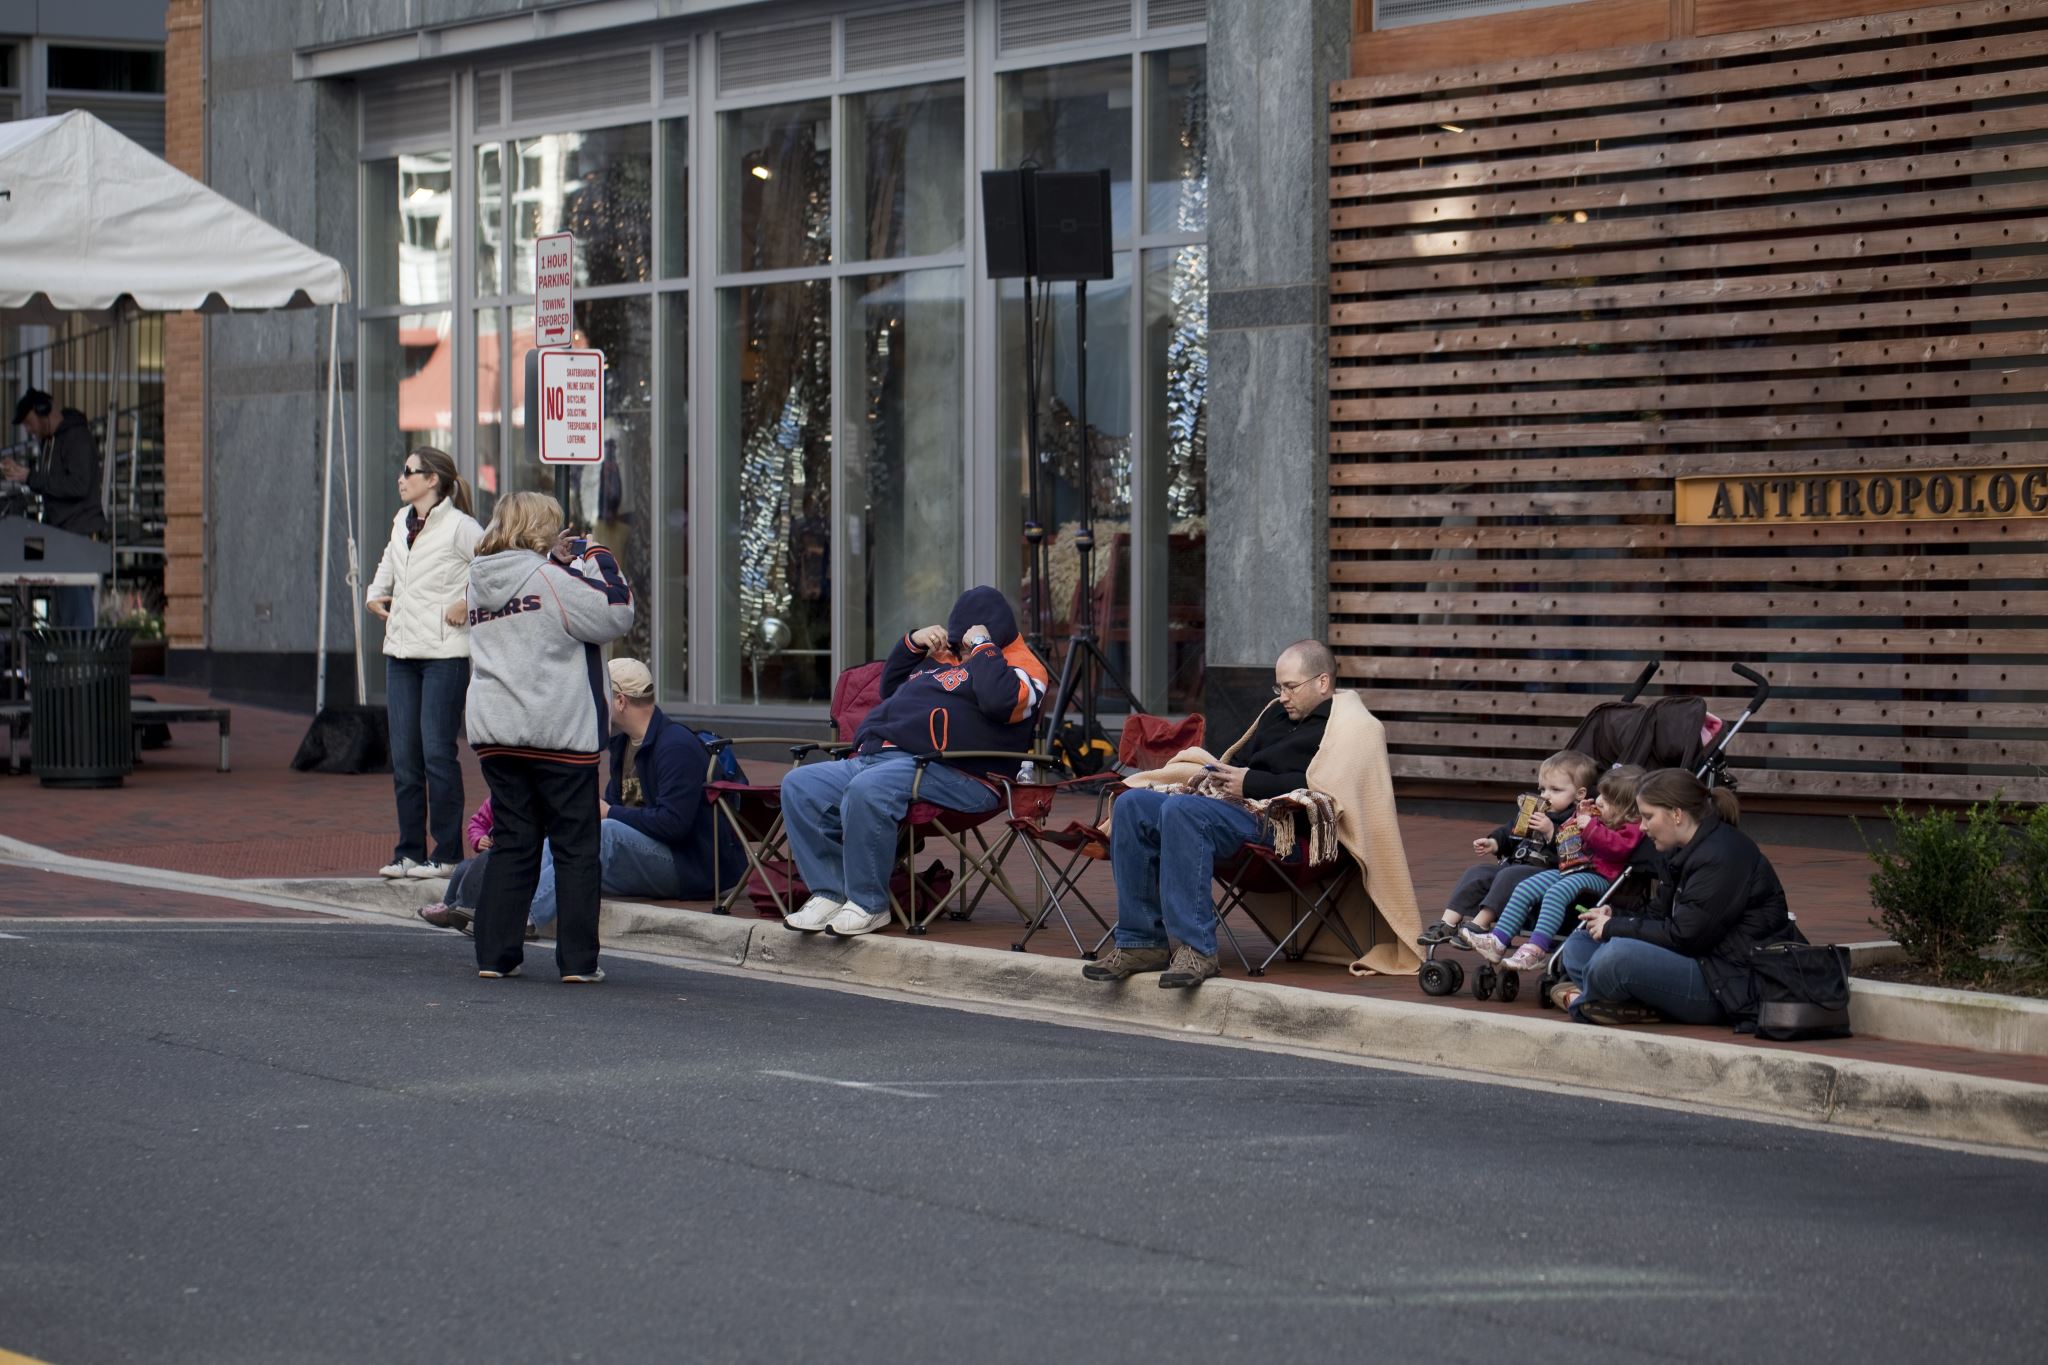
(1944, 887)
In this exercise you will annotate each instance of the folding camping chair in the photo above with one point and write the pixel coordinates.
(1060, 856)
(856, 692)
(753, 811)
(1312, 890)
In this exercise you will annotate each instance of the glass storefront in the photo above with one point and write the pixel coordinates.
(792, 285)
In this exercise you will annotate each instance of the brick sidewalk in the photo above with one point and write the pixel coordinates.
(264, 820)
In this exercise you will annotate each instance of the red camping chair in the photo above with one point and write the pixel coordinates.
(753, 811)
(1312, 891)
(922, 898)
(1060, 856)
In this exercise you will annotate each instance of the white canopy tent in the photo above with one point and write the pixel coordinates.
(91, 222)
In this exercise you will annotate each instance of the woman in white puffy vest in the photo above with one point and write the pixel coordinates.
(426, 671)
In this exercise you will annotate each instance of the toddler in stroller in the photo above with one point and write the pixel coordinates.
(1608, 831)
(1521, 850)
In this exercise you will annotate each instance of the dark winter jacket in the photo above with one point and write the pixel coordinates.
(69, 478)
(938, 702)
(671, 765)
(1277, 759)
(1532, 849)
(1717, 898)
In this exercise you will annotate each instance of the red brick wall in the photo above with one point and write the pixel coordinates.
(185, 348)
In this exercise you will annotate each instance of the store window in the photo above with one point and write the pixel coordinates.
(408, 229)
(902, 390)
(775, 494)
(905, 150)
(1147, 469)
(597, 184)
(1072, 118)
(776, 187)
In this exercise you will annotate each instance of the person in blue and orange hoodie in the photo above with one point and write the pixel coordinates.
(971, 684)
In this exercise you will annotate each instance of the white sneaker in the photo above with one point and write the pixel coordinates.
(1482, 942)
(402, 868)
(430, 871)
(852, 922)
(814, 914)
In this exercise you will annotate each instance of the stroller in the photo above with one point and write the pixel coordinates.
(1668, 732)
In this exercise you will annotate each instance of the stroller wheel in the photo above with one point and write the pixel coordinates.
(1457, 975)
(1483, 981)
(1510, 986)
(1436, 978)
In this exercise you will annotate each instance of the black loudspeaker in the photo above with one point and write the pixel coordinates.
(1006, 223)
(1072, 217)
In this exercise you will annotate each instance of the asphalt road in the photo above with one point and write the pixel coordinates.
(331, 1142)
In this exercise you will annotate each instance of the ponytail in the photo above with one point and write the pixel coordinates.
(447, 482)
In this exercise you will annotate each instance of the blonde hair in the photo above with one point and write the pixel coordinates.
(524, 521)
(1618, 785)
(1581, 771)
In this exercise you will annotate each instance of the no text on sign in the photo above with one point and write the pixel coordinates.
(571, 407)
(554, 271)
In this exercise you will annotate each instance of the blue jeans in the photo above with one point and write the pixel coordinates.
(1163, 852)
(1630, 969)
(629, 864)
(423, 700)
(843, 819)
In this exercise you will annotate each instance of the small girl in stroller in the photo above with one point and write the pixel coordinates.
(1562, 782)
(1607, 830)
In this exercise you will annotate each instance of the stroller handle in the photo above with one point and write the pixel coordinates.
(1642, 681)
(1756, 679)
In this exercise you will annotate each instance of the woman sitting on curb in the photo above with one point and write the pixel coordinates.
(1687, 957)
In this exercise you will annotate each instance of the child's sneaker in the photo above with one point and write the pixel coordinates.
(1443, 931)
(1527, 958)
(1482, 942)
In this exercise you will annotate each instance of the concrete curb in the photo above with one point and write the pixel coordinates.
(1776, 1081)
(1949, 1018)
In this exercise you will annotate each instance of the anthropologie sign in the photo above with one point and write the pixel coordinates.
(571, 407)
(554, 272)
(1847, 496)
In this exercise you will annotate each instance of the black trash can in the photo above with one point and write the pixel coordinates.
(80, 734)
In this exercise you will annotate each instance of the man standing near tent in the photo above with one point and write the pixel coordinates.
(68, 479)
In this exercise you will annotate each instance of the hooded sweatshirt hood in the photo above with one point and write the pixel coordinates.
(982, 606)
(984, 698)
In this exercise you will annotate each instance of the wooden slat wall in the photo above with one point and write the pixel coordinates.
(1558, 284)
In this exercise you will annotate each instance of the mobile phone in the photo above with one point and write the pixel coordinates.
(578, 545)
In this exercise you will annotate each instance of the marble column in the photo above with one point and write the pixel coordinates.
(1271, 63)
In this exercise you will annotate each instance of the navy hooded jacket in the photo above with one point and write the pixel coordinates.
(671, 766)
(943, 701)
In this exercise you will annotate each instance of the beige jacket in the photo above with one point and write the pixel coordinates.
(1351, 765)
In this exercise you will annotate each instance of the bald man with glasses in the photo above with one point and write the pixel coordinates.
(1165, 844)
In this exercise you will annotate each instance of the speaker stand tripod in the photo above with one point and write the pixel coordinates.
(1085, 666)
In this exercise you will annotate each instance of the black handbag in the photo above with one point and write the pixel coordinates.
(1802, 990)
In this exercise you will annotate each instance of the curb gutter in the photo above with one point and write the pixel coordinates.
(1779, 1082)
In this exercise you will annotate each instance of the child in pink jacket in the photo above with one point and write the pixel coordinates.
(457, 905)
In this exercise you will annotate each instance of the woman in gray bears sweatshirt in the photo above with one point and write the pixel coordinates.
(537, 708)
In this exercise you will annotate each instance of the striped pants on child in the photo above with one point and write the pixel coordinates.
(1548, 895)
